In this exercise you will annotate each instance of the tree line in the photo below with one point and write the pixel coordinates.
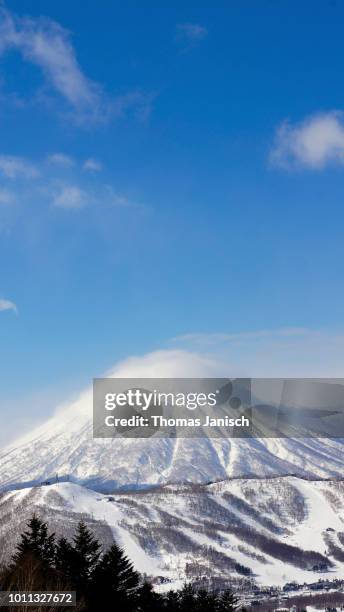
(105, 581)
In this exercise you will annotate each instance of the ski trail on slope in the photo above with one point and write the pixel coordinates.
(320, 516)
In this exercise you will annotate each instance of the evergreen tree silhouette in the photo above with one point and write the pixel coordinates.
(36, 542)
(228, 602)
(149, 601)
(205, 601)
(32, 565)
(107, 582)
(187, 598)
(65, 559)
(82, 557)
(172, 602)
(115, 584)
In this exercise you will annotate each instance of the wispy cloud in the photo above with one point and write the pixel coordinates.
(70, 197)
(17, 167)
(74, 197)
(62, 182)
(61, 159)
(45, 43)
(313, 143)
(92, 165)
(8, 305)
(190, 33)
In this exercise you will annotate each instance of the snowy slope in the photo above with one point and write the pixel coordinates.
(239, 530)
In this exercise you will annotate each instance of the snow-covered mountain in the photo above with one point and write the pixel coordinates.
(265, 531)
(269, 515)
(65, 445)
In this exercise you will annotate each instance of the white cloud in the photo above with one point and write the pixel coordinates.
(190, 32)
(7, 305)
(169, 364)
(15, 167)
(45, 43)
(60, 159)
(6, 197)
(59, 180)
(92, 165)
(70, 197)
(314, 143)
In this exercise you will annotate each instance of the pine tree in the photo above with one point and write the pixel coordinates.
(102, 583)
(37, 543)
(205, 602)
(65, 558)
(148, 600)
(83, 556)
(115, 582)
(172, 602)
(32, 565)
(187, 598)
(228, 602)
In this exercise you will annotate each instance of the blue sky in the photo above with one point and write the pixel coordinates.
(167, 170)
